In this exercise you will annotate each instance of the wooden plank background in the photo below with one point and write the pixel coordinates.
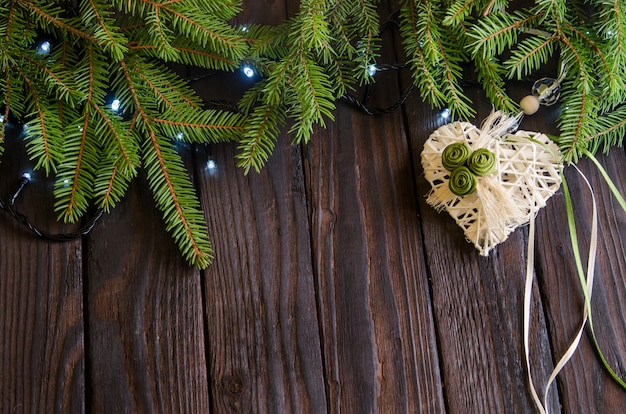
(335, 288)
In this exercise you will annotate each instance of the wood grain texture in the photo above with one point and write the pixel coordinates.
(335, 288)
(584, 385)
(145, 326)
(260, 300)
(42, 367)
(261, 316)
(379, 347)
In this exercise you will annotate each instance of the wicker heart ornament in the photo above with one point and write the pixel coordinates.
(518, 173)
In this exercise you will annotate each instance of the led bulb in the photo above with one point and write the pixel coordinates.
(372, 70)
(445, 113)
(115, 105)
(211, 165)
(248, 71)
(180, 136)
(44, 48)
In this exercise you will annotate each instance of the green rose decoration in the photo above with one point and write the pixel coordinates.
(462, 181)
(482, 162)
(455, 155)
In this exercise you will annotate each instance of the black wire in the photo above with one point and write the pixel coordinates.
(57, 237)
(377, 111)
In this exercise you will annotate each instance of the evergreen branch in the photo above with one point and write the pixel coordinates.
(234, 44)
(192, 57)
(270, 41)
(497, 31)
(175, 197)
(55, 21)
(258, 141)
(41, 147)
(458, 102)
(594, 47)
(202, 126)
(161, 33)
(611, 131)
(63, 90)
(556, 10)
(73, 187)
(315, 98)
(420, 71)
(490, 77)
(204, 59)
(110, 40)
(10, 19)
(458, 11)
(127, 153)
(111, 189)
(576, 125)
(575, 60)
(530, 54)
(428, 83)
(172, 191)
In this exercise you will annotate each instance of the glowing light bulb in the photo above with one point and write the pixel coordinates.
(244, 28)
(211, 165)
(27, 176)
(1, 118)
(445, 113)
(180, 136)
(115, 105)
(44, 48)
(248, 71)
(371, 70)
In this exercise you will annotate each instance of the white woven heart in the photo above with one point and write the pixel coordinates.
(527, 174)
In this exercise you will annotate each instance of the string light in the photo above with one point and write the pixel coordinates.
(20, 186)
(248, 71)
(211, 165)
(115, 105)
(180, 136)
(371, 70)
(44, 48)
(9, 206)
(445, 113)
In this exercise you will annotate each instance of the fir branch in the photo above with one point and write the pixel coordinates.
(496, 31)
(175, 197)
(203, 126)
(45, 144)
(611, 130)
(451, 57)
(576, 124)
(490, 76)
(529, 55)
(48, 16)
(458, 11)
(75, 176)
(315, 98)
(106, 34)
(259, 139)
(421, 71)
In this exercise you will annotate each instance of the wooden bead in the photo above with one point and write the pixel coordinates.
(529, 104)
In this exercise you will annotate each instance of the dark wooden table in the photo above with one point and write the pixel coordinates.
(335, 287)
